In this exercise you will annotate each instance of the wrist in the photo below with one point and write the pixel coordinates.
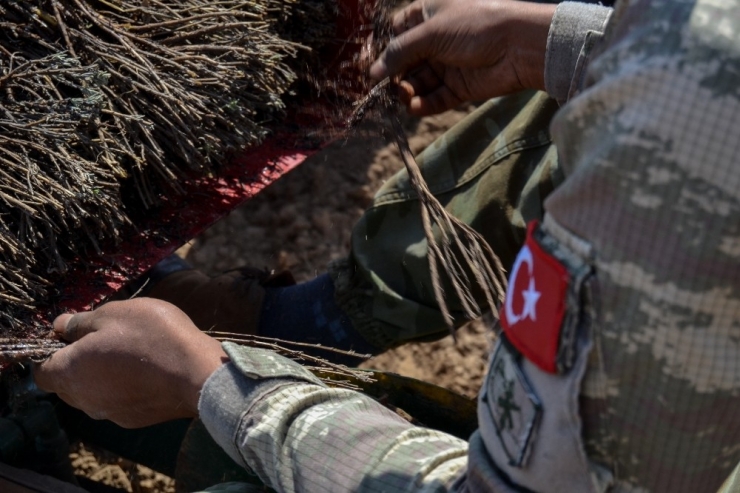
(529, 41)
(208, 356)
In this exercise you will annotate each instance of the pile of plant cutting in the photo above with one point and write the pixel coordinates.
(106, 105)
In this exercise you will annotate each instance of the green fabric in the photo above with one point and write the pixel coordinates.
(492, 171)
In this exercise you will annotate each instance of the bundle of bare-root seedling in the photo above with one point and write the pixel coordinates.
(95, 94)
(105, 105)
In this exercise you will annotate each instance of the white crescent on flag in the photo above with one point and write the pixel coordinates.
(531, 295)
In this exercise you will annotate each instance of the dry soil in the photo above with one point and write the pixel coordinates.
(304, 220)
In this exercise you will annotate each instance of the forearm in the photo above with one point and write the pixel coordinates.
(298, 435)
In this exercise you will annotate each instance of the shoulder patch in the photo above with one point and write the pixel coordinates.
(542, 309)
(535, 304)
(514, 407)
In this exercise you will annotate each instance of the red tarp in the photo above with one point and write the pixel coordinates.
(181, 218)
(207, 199)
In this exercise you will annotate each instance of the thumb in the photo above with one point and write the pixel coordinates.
(53, 374)
(50, 375)
(73, 327)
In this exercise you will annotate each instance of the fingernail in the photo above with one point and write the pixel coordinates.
(378, 70)
(60, 323)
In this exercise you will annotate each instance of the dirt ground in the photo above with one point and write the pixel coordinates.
(304, 220)
(106, 468)
(300, 223)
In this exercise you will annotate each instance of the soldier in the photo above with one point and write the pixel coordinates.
(618, 364)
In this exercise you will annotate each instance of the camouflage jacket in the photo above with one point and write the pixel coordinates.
(635, 386)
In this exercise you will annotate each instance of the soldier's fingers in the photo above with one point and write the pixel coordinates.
(423, 80)
(72, 328)
(435, 102)
(406, 51)
(406, 18)
(60, 323)
(51, 375)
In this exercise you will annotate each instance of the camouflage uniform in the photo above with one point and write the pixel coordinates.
(646, 234)
(648, 149)
(493, 168)
(492, 171)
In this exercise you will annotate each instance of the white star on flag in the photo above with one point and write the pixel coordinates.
(531, 295)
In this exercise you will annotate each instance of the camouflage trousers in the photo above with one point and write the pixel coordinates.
(492, 171)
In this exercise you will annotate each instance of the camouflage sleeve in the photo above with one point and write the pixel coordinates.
(650, 150)
(278, 420)
(574, 30)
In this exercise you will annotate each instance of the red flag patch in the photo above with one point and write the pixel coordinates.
(534, 308)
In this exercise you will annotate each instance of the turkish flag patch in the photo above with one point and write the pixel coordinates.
(535, 305)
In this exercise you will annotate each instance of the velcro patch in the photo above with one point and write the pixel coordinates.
(535, 303)
(515, 408)
(259, 364)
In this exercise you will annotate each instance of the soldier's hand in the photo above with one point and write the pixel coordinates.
(136, 363)
(450, 51)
